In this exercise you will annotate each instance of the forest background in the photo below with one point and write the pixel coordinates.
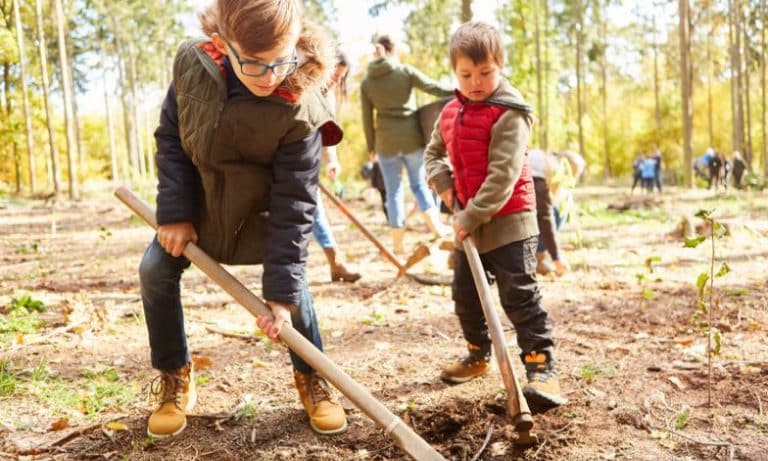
(607, 78)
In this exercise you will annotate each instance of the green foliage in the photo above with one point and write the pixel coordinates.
(682, 418)
(589, 372)
(693, 242)
(25, 248)
(26, 304)
(7, 379)
(248, 412)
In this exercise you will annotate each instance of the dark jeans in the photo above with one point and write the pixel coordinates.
(160, 275)
(514, 267)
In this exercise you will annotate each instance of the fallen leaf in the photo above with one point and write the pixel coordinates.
(116, 426)
(676, 382)
(498, 449)
(59, 424)
(20, 338)
(201, 362)
(683, 341)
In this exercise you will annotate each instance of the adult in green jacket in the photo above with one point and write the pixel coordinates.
(394, 135)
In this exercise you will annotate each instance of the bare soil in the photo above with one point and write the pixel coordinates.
(632, 358)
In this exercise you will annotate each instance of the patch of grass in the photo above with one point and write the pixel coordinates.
(202, 380)
(18, 321)
(7, 379)
(40, 372)
(104, 372)
(737, 292)
(682, 418)
(248, 412)
(27, 248)
(377, 319)
(599, 213)
(90, 399)
(590, 371)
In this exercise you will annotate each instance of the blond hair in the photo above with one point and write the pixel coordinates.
(479, 42)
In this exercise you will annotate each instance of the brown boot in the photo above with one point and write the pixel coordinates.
(543, 389)
(338, 270)
(176, 392)
(326, 416)
(476, 363)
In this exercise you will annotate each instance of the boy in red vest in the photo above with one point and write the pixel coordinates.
(478, 155)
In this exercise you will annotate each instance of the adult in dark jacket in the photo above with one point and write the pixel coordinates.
(238, 155)
(394, 136)
(739, 166)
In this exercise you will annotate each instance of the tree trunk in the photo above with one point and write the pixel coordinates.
(126, 100)
(604, 89)
(762, 83)
(656, 89)
(66, 87)
(110, 134)
(542, 127)
(545, 112)
(134, 95)
(579, 71)
(739, 80)
(8, 106)
(55, 174)
(25, 96)
(686, 92)
(466, 10)
(732, 63)
(747, 102)
(710, 77)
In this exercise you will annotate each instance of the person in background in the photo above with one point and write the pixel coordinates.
(648, 173)
(543, 165)
(715, 167)
(321, 229)
(393, 135)
(739, 167)
(243, 190)
(478, 157)
(657, 169)
(637, 171)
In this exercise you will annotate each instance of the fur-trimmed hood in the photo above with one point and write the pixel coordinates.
(316, 60)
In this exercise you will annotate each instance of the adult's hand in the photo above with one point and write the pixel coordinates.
(373, 157)
(175, 236)
(271, 325)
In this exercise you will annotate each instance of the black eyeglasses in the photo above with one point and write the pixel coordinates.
(253, 68)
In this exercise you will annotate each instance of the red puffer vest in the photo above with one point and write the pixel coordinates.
(466, 129)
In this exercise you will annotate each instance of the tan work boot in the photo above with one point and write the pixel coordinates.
(475, 364)
(543, 389)
(338, 270)
(398, 234)
(326, 416)
(176, 392)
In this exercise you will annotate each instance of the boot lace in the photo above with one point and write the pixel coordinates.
(167, 388)
(473, 358)
(318, 389)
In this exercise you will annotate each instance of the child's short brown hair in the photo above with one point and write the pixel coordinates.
(479, 42)
(256, 25)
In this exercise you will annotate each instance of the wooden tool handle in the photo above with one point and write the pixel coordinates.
(394, 427)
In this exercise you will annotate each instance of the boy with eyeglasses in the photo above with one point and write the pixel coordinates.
(238, 155)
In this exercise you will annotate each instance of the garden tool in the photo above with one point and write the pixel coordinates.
(517, 406)
(393, 426)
